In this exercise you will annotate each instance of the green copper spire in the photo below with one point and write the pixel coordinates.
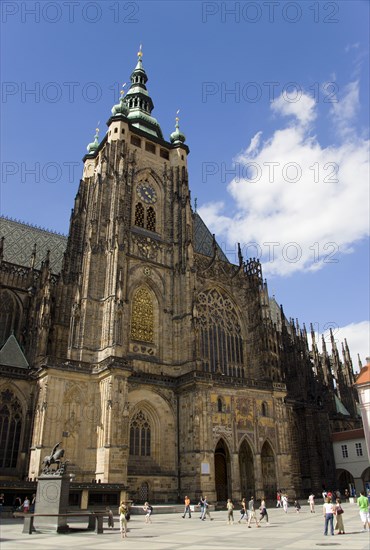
(93, 146)
(177, 136)
(139, 103)
(121, 107)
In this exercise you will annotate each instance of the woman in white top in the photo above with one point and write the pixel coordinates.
(328, 513)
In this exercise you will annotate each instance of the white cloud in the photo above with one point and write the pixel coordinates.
(299, 105)
(358, 340)
(313, 202)
(345, 109)
(352, 46)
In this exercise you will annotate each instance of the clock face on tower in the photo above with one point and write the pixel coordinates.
(146, 193)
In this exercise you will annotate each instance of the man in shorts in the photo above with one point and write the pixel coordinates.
(363, 504)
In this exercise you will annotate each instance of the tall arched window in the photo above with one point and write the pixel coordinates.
(142, 319)
(10, 429)
(150, 219)
(221, 344)
(139, 215)
(140, 436)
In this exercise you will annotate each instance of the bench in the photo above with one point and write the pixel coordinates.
(95, 521)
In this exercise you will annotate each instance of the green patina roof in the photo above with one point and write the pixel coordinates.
(11, 354)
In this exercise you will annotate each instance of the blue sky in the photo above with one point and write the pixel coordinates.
(274, 102)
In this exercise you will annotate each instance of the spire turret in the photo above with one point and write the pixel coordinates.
(177, 136)
(139, 103)
(94, 145)
(121, 107)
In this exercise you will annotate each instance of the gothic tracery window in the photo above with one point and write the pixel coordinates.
(139, 215)
(142, 319)
(10, 429)
(140, 435)
(221, 344)
(150, 219)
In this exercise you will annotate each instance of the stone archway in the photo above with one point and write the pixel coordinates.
(268, 471)
(345, 481)
(246, 470)
(222, 468)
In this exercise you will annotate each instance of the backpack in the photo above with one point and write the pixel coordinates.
(150, 508)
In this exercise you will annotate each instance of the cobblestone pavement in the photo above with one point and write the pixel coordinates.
(304, 531)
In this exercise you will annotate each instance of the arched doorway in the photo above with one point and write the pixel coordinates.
(345, 481)
(222, 461)
(268, 471)
(246, 469)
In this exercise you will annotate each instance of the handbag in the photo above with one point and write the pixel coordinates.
(340, 511)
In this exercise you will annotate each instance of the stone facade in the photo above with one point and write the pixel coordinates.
(159, 365)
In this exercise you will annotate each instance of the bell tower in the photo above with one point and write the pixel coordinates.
(130, 248)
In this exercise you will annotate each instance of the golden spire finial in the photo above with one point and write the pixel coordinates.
(177, 116)
(122, 92)
(140, 53)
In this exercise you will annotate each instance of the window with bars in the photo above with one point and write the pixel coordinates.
(344, 451)
(358, 449)
(140, 435)
(139, 215)
(10, 429)
(150, 219)
(221, 343)
(145, 218)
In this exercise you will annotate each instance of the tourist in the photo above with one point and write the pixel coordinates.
(263, 512)
(338, 511)
(201, 505)
(363, 504)
(346, 494)
(230, 511)
(206, 510)
(187, 507)
(297, 506)
(26, 505)
(311, 502)
(148, 509)
(328, 513)
(243, 511)
(17, 504)
(122, 511)
(252, 513)
(110, 518)
(284, 500)
(278, 499)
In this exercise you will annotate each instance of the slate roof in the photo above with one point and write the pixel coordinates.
(21, 237)
(11, 354)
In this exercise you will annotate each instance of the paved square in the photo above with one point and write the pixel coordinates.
(302, 531)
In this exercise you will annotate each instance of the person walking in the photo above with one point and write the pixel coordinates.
(230, 511)
(201, 505)
(311, 502)
(252, 513)
(243, 511)
(206, 509)
(338, 511)
(187, 507)
(278, 499)
(122, 512)
(148, 509)
(363, 504)
(284, 500)
(263, 512)
(328, 513)
(297, 506)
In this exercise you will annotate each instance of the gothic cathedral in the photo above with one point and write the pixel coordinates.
(162, 368)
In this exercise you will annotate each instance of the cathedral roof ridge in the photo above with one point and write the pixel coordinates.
(33, 225)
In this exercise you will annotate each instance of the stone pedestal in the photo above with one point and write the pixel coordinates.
(52, 498)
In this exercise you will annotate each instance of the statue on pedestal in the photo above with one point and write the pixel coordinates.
(55, 457)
